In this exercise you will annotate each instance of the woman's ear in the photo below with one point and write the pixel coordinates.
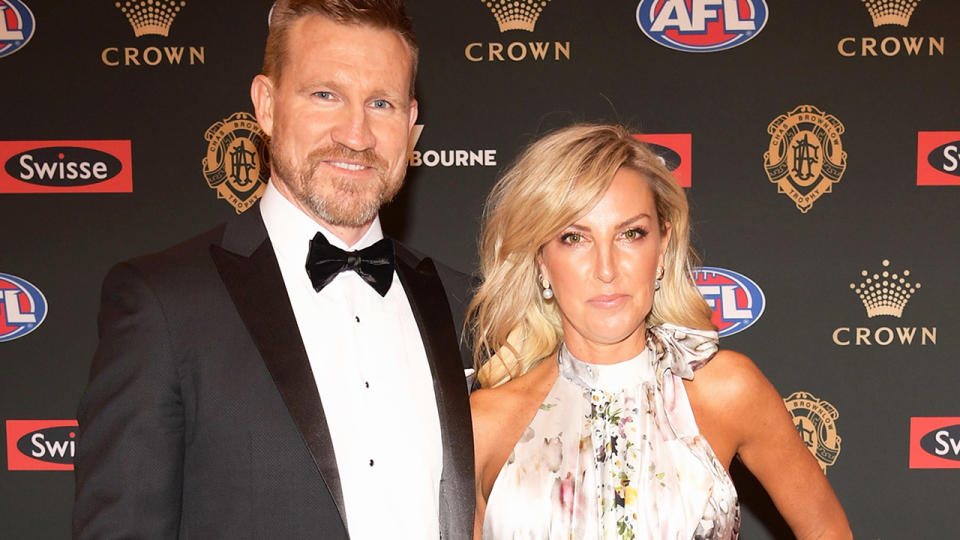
(541, 268)
(664, 242)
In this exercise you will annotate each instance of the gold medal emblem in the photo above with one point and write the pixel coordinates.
(815, 420)
(237, 164)
(805, 158)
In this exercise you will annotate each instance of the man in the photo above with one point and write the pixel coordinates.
(236, 393)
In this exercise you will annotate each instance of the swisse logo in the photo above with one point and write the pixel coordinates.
(674, 151)
(944, 442)
(22, 307)
(885, 293)
(152, 18)
(890, 13)
(737, 302)
(944, 158)
(17, 26)
(51, 445)
(938, 158)
(41, 445)
(701, 25)
(517, 15)
(934, 442)
(448, 158)
(65, 167)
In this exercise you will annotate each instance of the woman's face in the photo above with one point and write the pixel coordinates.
(602, 270)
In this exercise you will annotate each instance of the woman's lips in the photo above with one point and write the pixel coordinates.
(607, 300)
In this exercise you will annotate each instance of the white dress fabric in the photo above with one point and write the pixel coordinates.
(614, 452)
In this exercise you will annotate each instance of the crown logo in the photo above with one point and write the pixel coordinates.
(891, 11)
(516, 14)
(885, 293)
(151, 16)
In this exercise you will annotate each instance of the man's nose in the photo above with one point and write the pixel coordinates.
(353, 130)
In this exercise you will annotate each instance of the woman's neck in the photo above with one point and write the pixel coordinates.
(594, 352)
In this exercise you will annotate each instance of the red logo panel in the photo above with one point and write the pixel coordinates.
(41, 445)
(65, 167)
(938, 158)
(675, 151)
(935, 442)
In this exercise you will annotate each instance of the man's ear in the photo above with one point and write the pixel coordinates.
(261, 93)
(414, 111)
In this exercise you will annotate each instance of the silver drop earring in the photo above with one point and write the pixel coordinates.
(656, 282)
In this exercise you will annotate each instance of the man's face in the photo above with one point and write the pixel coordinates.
(339, 119)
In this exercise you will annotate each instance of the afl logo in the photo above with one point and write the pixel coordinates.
(737, 302)
(701, 25)
(22, 307)
(16, 26)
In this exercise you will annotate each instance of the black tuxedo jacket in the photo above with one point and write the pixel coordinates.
(202, 419)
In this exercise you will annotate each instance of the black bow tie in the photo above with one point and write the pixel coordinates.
(374, 264)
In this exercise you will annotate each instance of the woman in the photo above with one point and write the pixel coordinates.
(605, 410)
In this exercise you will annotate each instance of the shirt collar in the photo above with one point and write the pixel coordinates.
(291, 230)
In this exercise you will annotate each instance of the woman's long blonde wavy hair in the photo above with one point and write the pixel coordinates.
(555, 181)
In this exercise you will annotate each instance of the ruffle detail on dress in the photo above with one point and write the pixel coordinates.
(681, 350)
(614, 452)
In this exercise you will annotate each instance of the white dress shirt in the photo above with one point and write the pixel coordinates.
(375, 383)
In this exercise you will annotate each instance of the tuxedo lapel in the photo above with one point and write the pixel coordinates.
(430, 308)
(249, 269)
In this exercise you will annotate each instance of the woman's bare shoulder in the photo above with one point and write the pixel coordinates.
(729, 395)
(495, 404)
(730, 378)
(501, 414)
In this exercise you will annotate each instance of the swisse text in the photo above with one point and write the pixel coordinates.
(63, 166)
(943, 442)
(946, 158)
(53, 445)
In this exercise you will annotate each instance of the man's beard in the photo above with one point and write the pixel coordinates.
(337, 200)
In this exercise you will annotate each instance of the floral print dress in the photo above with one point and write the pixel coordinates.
(614, 452)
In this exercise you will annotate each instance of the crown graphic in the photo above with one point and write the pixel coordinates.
(884, 293)
(516, 14)
(151, 16)
(891, 11)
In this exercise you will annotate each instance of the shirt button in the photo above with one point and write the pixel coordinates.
(366, 383)
(357, 318)
(371, 463)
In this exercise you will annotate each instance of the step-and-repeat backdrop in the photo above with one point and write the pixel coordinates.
(818, 141)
